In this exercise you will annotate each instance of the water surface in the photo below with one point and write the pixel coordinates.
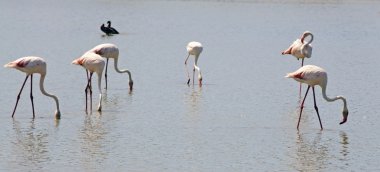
(242, 119)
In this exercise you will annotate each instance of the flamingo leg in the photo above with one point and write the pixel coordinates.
(90, 87)
(18, 96)
(193, 75)
(187, 71)
(31, 92)
(87, 86)
(301, 83)
(316, 109)
(301, 107)
(105, 75)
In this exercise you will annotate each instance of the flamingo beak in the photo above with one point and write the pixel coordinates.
(130, 85)
(345, 116)
(200, 82)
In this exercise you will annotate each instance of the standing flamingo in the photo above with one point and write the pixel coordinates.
(194, 48)
(299, 48)
(314, 75)
(31, 65)
(111, 51)
(93, 63)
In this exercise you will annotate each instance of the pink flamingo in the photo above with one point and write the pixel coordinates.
(194, 48)
(31, 65)
(111, 51)
(92, 63)
(299, 48)
(314, 75)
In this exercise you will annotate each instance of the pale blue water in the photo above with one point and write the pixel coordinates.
(242, 119)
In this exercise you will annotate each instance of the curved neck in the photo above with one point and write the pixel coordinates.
(42, 79)
(100, 90)
(109, 24)
(122, 71)
(323, 86)
(197, 67)
(311, 39)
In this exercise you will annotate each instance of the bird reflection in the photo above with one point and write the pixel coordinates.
(311, 153)
(193, 99)
(344, 144)
(93, 141)
(31, 144)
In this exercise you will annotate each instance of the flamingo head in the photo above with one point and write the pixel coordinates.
(345, 115)
(130, 85)
(57, 114)
(304, 35)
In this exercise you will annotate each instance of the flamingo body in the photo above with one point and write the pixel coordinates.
(299, 49)
(111, 51)
(31, 65)
(314, 75)
(92, 63)
(194, 48)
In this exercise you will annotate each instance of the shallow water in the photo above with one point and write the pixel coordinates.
(242, 119)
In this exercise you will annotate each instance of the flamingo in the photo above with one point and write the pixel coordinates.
(299, 48)
(195, 49)
(31, 65)
(92, 63)
(314, 75)
(114, 31)
(111, 51)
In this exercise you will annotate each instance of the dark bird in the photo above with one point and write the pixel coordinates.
(106, 30)
(114, 31)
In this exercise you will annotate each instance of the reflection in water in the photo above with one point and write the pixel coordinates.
(93, 142)
(344, 144)
(311, 155)
(31, 145)
(193, 100)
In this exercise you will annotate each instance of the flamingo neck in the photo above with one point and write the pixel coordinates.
(323, 86)
(42, 79)
(197, 67)
(122, 71)
(311, 39)
(100, 90)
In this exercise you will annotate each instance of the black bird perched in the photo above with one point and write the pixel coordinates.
(114, 31)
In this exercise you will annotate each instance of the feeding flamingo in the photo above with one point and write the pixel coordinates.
(31, 65)
(195, 49)
(314, 75)
(111, 51)
(92, 63)
(299, 48)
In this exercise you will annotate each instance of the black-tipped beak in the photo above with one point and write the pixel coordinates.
(344, 121)
(345, 116)
(130, 86)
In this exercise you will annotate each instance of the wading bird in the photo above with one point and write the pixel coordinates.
(299, 48)
(314, 75)
(92, 63)
(195, 49)
(31, 65)
(111, 51)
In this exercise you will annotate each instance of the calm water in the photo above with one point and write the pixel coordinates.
(242, 119)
